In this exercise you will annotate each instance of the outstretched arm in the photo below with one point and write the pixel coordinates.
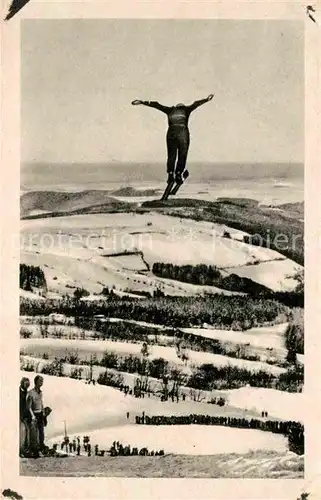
(196, 104)
(153, 104)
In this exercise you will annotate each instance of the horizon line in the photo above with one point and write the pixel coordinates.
(138, 162)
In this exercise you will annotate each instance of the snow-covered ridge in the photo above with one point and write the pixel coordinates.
(71, 250)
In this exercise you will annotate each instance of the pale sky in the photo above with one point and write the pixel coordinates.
(80, 76)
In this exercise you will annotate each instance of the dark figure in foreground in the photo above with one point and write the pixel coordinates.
(38, 417)
(25, 417)
(177, 139)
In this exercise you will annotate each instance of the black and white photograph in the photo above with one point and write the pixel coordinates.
(161, 251)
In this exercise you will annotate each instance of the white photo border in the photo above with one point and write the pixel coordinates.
(123, 488)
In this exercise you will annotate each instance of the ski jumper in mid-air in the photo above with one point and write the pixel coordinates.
(177, 139)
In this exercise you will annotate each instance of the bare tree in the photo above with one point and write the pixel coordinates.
(144, 379)
(43, 330)
(196, 395)
(164, 390)
(181, 351)
(178, 379)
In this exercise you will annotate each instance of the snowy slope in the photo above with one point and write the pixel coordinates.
(89, 250)
(85, 348)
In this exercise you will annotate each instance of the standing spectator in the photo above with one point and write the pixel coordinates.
(66, 440)
(24, 417)
(127, 414)
(35, 407)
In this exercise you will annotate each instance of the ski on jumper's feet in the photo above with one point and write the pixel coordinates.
(168, 189)
(180, 183)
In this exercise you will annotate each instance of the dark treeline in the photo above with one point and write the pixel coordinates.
(128, 363)
(109, 292)
(79, 293)
(114, 330)
(294, 430)
(203, 274)
(206, 377)
(200, 274)
(209, 377)
(32, 277)
(131, 332)
(111, 379)
(292, 380)
(294, 337)
(289, 299)
(155, 368)
(217, 310)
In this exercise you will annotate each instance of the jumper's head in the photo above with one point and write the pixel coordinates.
(180, 105)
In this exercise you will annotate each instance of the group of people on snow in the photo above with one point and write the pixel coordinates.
(33, 418)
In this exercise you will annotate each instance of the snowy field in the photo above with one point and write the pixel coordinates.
(64, 273)
(110, 404)
(268, 342)
(85, 246)
(254, 465)
(246, 401)
(280, 404)
(190, 440)
(265, 345)
(266, 337)
(101, 412)
(83, 407)
(66, 331)
(84, 348)
(276, 275)
(30, 295)
(153, 405)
